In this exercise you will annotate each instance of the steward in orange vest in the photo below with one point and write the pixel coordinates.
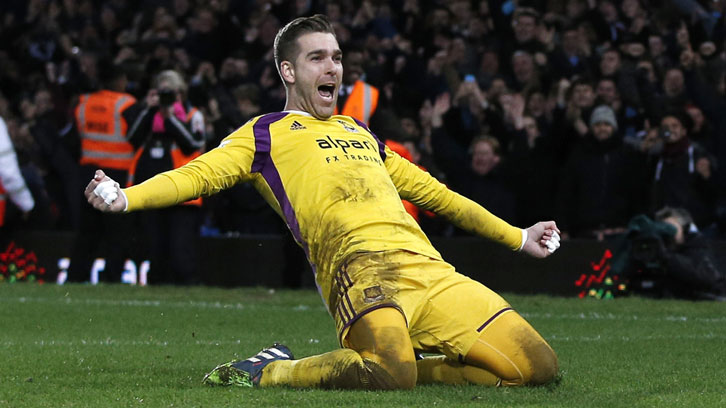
(102, 129)
(101, 125)
(361, 103)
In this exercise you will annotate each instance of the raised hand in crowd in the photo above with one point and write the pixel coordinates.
(206, 71)
(439, 109)
(513, 105)
(562, 88)
(467, 90)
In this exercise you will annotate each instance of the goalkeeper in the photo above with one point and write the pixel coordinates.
(339, 189)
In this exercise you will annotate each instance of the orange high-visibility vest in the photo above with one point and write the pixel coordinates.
(361, 102)
(3, 197)
(178, 159)
(103, 129)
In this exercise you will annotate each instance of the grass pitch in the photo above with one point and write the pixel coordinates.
(121, 346)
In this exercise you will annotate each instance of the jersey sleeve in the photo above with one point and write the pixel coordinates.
(218, 169)
(420, 188)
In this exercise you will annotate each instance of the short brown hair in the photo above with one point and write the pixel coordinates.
(285, 47)
(490, 140)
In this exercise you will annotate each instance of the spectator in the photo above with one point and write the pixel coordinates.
(531, 150)
(526, 27)
(12, 184)
(623, 73)
(412, 51)
(629, 118)
(573, 56)
(673, 96)
(526, 75)
(168, 132)
(56, 166)
(357, 98)
(102, 128)
(599, 182)
(574, 106)
(483, 180)
(682, 175)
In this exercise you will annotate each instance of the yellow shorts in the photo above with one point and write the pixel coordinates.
(445, 311)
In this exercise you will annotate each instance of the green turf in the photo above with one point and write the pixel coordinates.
(120, 346)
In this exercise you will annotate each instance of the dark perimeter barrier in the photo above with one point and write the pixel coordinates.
(579, 268)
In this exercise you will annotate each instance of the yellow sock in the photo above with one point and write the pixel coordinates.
(441, 369)
(342, 369)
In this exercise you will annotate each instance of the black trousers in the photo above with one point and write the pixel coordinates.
(100, 235)
(171, 243)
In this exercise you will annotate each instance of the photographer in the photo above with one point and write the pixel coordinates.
(670, 258)
(167, 132)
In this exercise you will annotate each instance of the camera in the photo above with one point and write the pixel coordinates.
(664, 133)
(167, 97)
(646, 251)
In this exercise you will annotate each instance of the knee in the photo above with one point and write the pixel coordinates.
(398, 375)
(543, 366)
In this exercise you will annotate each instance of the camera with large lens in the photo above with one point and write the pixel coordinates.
(646, 251)
(167, 97)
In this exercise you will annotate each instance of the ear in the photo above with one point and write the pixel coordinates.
(287, 71)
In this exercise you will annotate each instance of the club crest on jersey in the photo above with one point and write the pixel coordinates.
(297, 126)
(348, 127)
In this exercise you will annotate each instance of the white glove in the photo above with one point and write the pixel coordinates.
(554, 242)
(107, 190)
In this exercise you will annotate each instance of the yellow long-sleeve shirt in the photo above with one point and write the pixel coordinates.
(336, 185)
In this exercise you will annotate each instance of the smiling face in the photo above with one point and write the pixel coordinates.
(675, 127)
(313, 78)
(484, 157)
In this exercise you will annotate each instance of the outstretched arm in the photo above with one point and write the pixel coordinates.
(422, 189)
(209, 173)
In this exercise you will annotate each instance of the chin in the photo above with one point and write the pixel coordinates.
(323, 114)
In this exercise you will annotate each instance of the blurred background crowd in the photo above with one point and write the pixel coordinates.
(583, 111)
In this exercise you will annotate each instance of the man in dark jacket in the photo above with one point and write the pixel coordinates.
(683, 175)
(599, 181)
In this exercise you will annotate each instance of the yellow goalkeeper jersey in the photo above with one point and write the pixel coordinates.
(334, 183)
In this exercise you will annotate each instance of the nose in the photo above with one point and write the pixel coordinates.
(330, 66)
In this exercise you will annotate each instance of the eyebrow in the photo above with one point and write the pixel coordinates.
(336, 53)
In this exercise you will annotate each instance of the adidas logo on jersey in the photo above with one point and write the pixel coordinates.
(297, 126)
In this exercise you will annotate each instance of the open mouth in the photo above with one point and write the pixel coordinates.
(327, 91)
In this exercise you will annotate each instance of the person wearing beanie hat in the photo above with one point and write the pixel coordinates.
(599, 184)
(603, 123)
(603, 114)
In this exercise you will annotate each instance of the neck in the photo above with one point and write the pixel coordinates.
(292, 103)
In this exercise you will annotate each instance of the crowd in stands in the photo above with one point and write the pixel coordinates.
(587, 112)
